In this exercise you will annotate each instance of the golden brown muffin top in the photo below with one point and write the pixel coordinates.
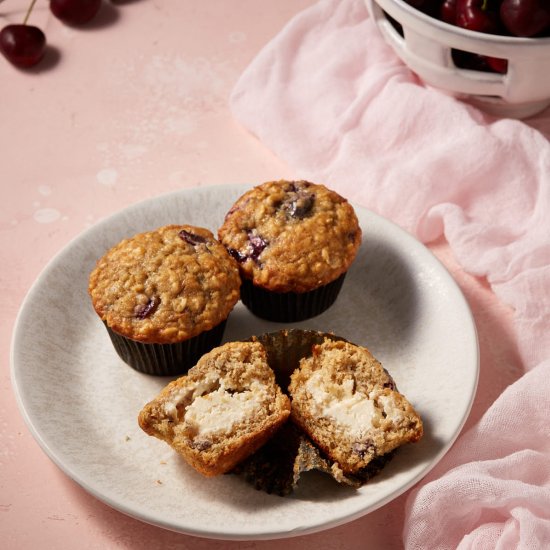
(291, 236)
(165, 286)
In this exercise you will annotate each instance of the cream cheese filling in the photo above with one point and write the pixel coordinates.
(219, 410)
(200, 387)
(391, 408)
(341, 403)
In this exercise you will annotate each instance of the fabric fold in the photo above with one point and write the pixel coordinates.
(493, 487)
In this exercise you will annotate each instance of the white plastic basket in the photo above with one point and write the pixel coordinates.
(426, 47)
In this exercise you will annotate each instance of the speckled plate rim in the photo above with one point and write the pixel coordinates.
(400, 240)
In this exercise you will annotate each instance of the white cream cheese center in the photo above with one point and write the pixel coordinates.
(216, 410)
(342, 404)
(219, 411)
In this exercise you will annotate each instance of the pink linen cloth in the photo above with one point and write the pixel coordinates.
(329, 97)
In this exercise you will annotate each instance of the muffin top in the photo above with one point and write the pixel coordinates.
(291, 236)
(165, 286)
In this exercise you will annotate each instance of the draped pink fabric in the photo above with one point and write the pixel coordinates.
(330, 98)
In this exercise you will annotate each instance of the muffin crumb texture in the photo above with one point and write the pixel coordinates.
(291, 236)
(165, 286)
(222, 411)
(348, 404)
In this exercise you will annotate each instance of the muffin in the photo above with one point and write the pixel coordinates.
(164, 297)
(223, 410)
(348, 404)
(294, 241)
(277, 466)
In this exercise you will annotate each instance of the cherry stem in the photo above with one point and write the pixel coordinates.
(29, 12)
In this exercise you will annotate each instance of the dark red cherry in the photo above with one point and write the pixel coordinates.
(191, 238)
(426, 6)
(22, 45)
(143, 311)
(299, 200)
(477, 15)
(301, 206)
(256, 245)
(525, 17)
(477, 62)
(75, 12)
(447, 11)
(497, 64)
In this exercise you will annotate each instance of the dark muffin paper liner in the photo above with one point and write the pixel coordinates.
(285, 348)
(276, 468)
(166, 359)
(289, 307)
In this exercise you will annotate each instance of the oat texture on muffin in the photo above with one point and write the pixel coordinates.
(166, 285)
(349, 406)
(291, 236)
(223, 410)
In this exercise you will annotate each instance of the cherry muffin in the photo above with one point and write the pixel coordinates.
(164, 297)
(294, 242)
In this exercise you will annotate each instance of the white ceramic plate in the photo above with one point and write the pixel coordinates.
(81, 402)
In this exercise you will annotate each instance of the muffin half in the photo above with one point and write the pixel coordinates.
(349, 406)
(223, 410)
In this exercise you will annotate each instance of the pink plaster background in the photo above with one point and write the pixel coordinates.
(132, 106)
